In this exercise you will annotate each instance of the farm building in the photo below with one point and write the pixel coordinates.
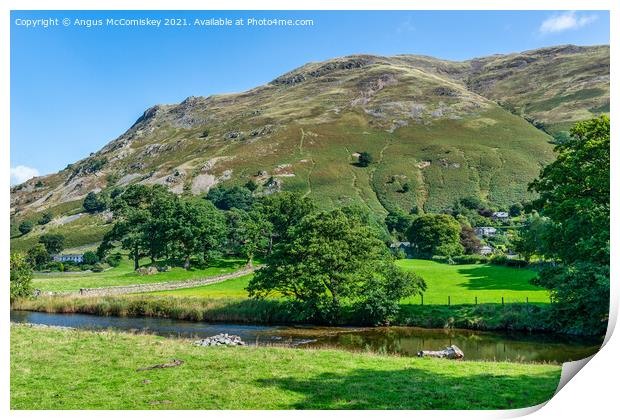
(76, 258)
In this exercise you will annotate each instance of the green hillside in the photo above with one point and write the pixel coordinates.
(444, 129)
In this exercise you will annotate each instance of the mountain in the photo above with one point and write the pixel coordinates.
(437, 130)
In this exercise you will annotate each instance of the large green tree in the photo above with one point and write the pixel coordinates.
(284, 211)
(53, 242)
(250, 232)
(235, 197)
(199, 228)
(332, 258)
(38, 256)
(574, 195)
(435, 234)
(135, 212)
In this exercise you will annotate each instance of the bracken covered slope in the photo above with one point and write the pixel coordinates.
(446, 129)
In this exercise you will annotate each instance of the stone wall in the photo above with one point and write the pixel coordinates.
(156, 287)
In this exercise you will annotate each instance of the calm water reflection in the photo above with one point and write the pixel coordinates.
(393, 340)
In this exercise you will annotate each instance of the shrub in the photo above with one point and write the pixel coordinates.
(25, 227)
(114, 259)
(90, 258)
(470, 259)
(46, 218)
(97, 268)
(364, 159)
(21, 276)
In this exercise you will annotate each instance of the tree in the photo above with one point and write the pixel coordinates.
(284, 211)
(94, 203)
(251, 231)
(531, 238)
(435, 234)
(90, 258)
(471, 202)
(398, 222)
(226, 198)
(574, 195)
(134, 212)
(364, 159)
(251, 185)
(46, 218)
(25, 227)
(37, 256)
(199, 228)
(330, 257)
(470, 242)
(54, 242)
(21, 277)
(515, 210)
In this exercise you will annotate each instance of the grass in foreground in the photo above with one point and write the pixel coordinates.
(463, 283)
(124, 275)
(71, 369)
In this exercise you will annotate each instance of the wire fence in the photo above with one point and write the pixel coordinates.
(460, 300)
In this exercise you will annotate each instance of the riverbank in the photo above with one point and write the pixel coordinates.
(487, 317)
(72, 369)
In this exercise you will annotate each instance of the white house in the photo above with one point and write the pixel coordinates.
(500, 215)
(486, 250)
(76, 258)
(485, 231)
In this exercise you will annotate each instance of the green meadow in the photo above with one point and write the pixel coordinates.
(463, 283)
(73, 369)
(124, 275)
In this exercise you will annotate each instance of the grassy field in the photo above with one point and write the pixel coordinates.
(69, 369)
(233, 288)
(124, 275)
(463, 283)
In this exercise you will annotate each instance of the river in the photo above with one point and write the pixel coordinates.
(406, 341)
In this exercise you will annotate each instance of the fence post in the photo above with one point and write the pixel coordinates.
(502, 300)
(422, 297)
(448, 300)
(527, 305)
(476, 300)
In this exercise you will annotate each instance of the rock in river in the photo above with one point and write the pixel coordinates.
(452, 352)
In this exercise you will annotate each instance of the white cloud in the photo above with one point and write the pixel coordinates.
(22, 173)
(566, 21)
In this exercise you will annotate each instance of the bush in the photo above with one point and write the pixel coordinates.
(114, 259)
(364, 159)
(97, 268)
(508, 262)
(470, 259)
(25, 227)
(46, 218)
(90, 258)
(21, 277)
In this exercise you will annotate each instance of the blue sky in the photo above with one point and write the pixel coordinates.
(73, 89)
